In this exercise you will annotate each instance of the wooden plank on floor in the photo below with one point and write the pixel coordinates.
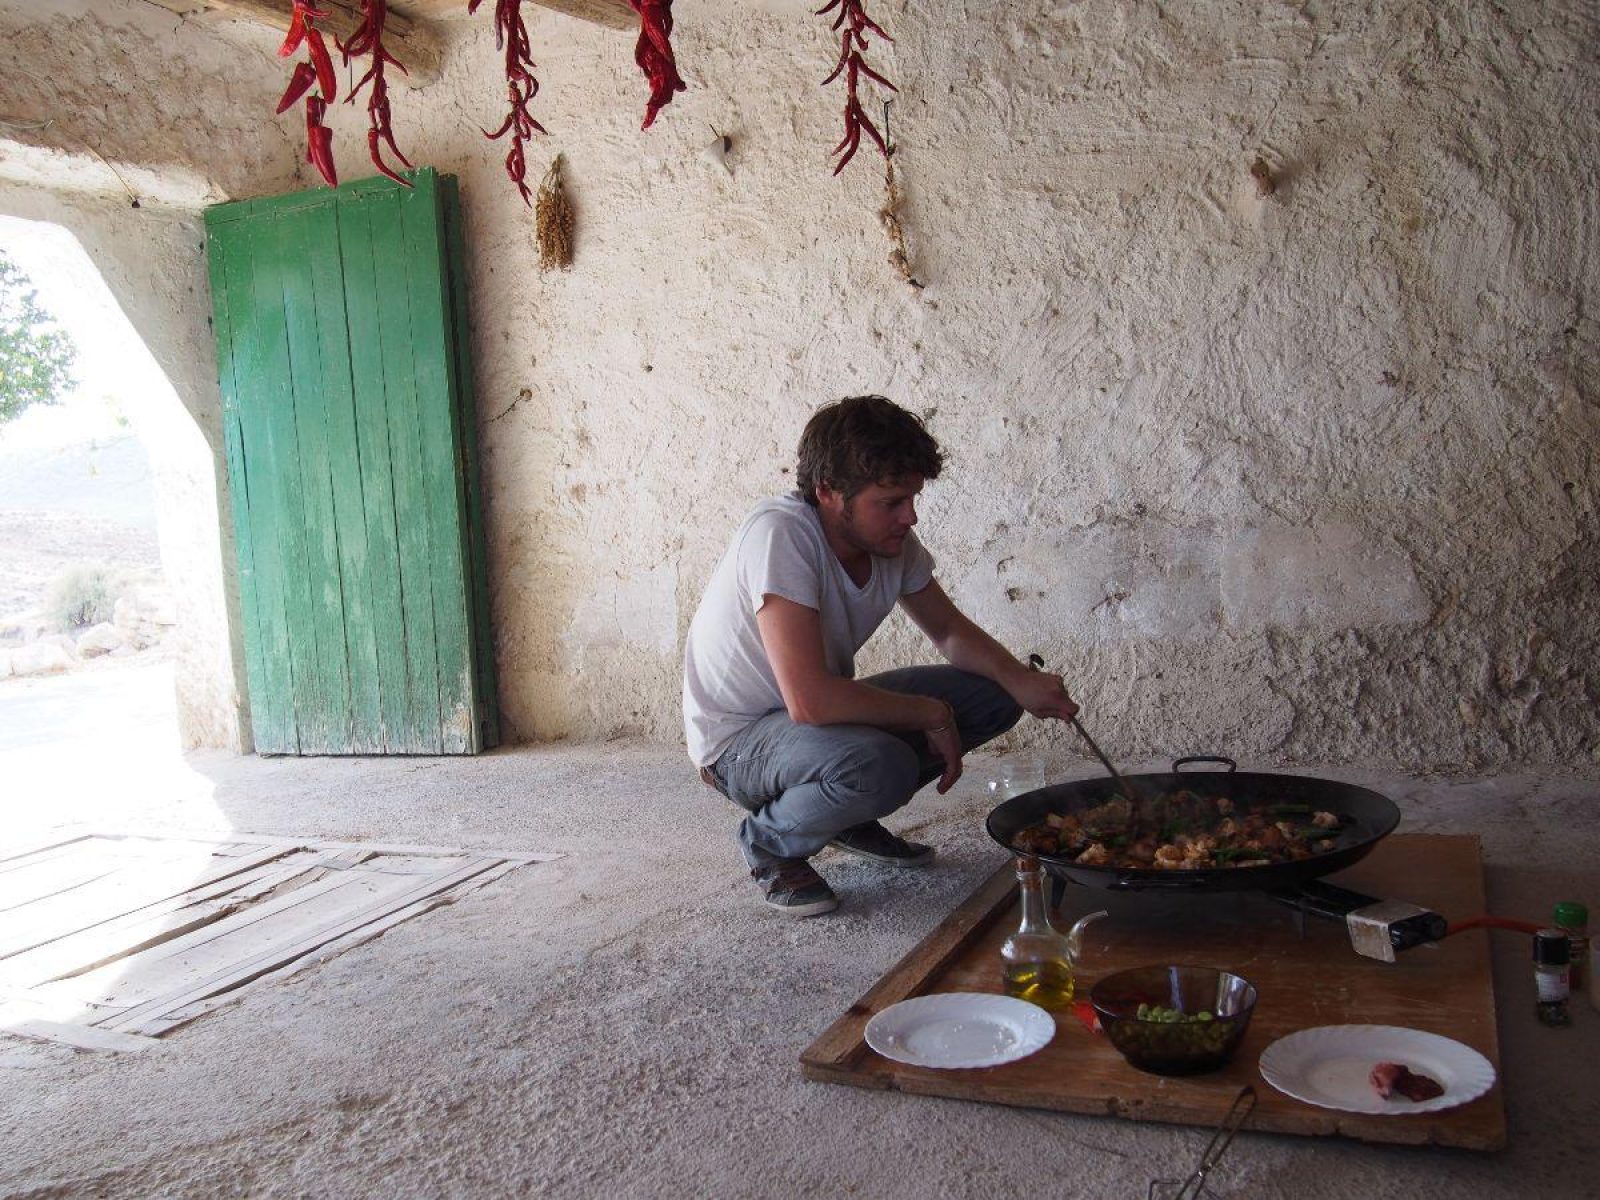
(135, 932)
(11, 856)
(129, 981)
(92, 860)
(121, 894)
(81, 1037)
(170, 1020)
(137, 1018)
(265, 839)
(218, 942)
(344, 860)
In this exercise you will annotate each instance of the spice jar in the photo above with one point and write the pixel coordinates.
(1552, 953)
(1573, 918)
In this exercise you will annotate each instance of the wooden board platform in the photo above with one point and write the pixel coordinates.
(1306, 976)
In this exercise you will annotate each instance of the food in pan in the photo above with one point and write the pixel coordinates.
(1391, 1079)
(1182, 831)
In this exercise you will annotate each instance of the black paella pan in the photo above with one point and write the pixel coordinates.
(1365, 818)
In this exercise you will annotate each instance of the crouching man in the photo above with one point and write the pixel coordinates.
(774, 716)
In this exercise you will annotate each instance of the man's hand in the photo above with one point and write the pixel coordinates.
(966, 646)
(1042, 694)
(945, 741)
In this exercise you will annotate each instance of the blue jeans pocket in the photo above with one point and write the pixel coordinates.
(735, 770)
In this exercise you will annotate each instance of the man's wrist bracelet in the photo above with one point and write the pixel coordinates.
(939, 729)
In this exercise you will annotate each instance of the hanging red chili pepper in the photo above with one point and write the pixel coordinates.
(511, 35)
(856, 24)
(368, 40)
(653, 53)
(299, 83)
(319, 141)
(317, 69)
(323, 64)
(297, 27)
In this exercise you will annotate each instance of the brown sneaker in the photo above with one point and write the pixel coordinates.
(794, 888)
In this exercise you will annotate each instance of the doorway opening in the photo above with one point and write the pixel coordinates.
(110, 563)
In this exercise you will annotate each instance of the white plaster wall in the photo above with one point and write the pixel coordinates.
(1303, 476)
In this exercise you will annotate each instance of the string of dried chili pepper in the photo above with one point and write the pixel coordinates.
(511, 35)
(317, 69)
(855, 23)
(653, 53)
(303, 29)
(368, 40)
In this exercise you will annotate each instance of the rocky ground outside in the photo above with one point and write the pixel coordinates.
(82, 506)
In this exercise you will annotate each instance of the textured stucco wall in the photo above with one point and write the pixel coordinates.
(1303, 476)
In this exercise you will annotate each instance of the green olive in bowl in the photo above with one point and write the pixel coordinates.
(1173, 1020)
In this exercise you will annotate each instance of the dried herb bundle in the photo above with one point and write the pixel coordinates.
(889, 214)
(553, 217)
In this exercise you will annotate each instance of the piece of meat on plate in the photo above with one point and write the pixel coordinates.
(1390, 1079)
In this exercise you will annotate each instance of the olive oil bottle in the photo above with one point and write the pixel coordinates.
(1037, 959)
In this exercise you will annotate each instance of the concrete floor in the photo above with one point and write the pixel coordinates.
(626, 1021)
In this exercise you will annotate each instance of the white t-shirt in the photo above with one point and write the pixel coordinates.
(779, 550)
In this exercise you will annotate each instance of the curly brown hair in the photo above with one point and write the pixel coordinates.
(862, 440)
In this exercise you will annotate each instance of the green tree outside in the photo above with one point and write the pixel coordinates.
(36, 357)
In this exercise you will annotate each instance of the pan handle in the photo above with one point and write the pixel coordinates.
(1156, 881)
(1179, 763)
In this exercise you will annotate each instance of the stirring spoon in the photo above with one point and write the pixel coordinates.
(1035, 663)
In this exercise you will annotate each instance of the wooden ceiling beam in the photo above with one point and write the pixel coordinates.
(412, 43)
(407, 29)
(613, 14)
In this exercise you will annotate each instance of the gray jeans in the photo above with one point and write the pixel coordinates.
(804, 784)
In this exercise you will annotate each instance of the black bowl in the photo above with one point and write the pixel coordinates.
(1175, 1047)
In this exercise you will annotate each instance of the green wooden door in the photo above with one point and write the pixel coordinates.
(340, 319)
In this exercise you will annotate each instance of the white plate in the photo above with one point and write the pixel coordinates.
(1330, 1066)
(960, 1029)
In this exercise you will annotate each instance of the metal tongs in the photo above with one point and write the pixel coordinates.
(1035, 663)
(1194, 1187)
